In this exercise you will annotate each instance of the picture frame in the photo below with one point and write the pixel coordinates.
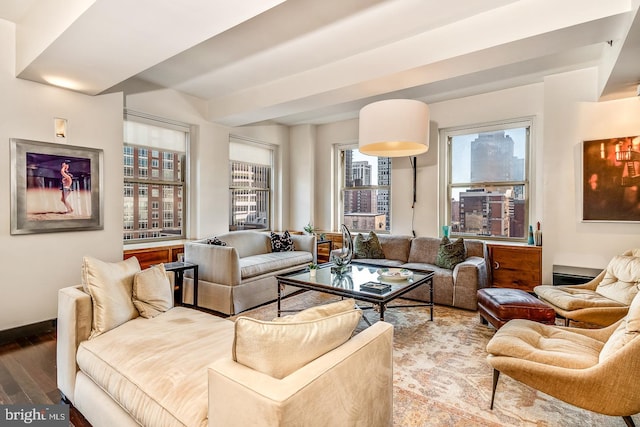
(611, 180)
(55, 187)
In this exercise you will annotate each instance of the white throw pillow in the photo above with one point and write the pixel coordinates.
(110, 286)
(280, 348)
(152, 293)
(319, 311)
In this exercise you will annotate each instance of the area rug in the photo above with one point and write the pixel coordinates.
(441, 377)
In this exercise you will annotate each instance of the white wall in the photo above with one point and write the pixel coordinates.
(573, 117)
(565, 113)
(302, 166)
(35, 266)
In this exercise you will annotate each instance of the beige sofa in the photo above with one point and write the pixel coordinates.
(457, 287)
(176, 369)
(241, 275)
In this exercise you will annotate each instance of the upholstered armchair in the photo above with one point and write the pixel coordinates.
(594, 369)
(601, 301)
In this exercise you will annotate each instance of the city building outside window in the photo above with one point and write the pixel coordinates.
(251, 178)
(365, 190)
(487, 183)
(146, 141)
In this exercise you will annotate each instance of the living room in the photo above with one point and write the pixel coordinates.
(565, 105)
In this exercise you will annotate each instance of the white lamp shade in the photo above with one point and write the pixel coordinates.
(394, 128)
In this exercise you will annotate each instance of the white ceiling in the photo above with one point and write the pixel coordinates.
(312, 61)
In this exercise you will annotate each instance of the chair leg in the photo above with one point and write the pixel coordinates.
(496, 375)
(627, 419)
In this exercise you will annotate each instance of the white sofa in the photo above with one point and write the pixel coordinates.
(177, 369)
(241, 275)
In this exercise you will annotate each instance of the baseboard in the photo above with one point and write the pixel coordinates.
(13, 334)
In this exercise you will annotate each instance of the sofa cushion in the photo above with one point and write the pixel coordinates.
(367, 247)
(546, 344)
(257, 265)
(280, 348)
(152, 293)
(281, 242)
(424, 250)
(621, 280)
(450, 253)
(320, 311)
(395, 247)
(110, 286)
(157, 368)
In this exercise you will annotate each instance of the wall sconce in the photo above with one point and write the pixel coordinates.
(60, 127)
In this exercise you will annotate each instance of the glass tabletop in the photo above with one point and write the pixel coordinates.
(361, 278)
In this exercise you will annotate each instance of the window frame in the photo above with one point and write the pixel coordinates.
(273, 152)
(446, 171)
(340, 189)
(181, 185)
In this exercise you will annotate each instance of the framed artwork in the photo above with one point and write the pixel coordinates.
(55, 187)
(611, 179)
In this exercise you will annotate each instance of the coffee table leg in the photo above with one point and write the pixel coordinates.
(381, 312)
(279, 297)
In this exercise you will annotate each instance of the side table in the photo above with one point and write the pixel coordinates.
(179, 267)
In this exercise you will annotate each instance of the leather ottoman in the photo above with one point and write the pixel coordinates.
(499, 305)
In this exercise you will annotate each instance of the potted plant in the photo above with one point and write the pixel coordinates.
(313, 268)
(309, 229)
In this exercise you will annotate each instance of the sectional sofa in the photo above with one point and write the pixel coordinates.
(455, 287)
(182, 367)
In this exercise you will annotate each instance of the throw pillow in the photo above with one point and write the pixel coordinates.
(280, 348)
(281, 243)
(217, 242)
(368, 247)
(450, 253)
(320, 311)
(110, 286)
(152, 293)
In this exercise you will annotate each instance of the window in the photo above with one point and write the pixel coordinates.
(487, 180)
(146, 140)
(365, 190)
(250, 183)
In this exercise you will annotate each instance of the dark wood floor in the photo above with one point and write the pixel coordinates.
(28, 374)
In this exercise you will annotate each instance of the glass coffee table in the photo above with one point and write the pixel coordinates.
(377, 285)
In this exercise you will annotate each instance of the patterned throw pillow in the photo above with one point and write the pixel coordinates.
(281, 243)
(450, 253)
(368, 247)
(217, 242)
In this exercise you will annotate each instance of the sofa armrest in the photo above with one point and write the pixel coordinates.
(339, 397)
(216, 264)
(472, 271)
(306, 243)
(75, 315)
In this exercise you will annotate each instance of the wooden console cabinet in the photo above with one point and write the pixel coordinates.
(154, 255)
(513, 266)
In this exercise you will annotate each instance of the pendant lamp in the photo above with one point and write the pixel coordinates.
(394, 128)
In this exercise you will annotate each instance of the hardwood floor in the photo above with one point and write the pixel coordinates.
(28, 374)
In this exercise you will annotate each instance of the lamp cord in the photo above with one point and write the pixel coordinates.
(413, 162)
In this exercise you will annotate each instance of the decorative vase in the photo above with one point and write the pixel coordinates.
(530, 241)
(312, 272)
(445, 231)
(341, 261)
